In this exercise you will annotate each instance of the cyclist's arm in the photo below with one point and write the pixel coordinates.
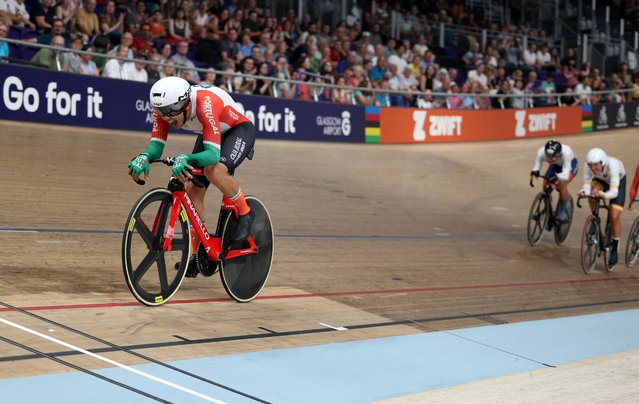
(586, 188)
(539, 159)
(159, 134)
(613, 191)
(207, 110)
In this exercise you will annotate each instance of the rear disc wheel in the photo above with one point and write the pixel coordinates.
(244, 277)
(562, 229)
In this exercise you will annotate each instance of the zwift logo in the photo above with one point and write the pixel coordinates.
(534, 123)
(438, 125)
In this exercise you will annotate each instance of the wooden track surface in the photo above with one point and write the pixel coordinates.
(382, 239)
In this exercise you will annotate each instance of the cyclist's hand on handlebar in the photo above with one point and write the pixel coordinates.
(601, 194)
(533, 175)
(139, 165)
(181, 167)
(582, 194)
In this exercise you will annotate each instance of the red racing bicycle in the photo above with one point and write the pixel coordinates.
(158, 234)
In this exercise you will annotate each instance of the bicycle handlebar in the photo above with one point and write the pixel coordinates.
(169, 162)
(551, 179)
(595, 197)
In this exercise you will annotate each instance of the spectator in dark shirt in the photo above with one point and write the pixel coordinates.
(57, 28)
(43, 15)
(252, 26)
(229, 47)
(264, 86)
(153, 70)
(570, 56)
(209, 48)
(135, 19)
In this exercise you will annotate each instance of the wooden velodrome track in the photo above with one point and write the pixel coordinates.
(382, 239)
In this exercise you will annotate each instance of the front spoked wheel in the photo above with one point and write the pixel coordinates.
(537, 218)
(562, 229)
(148, 269)
(632, 245)
(589, 245)
(244, 277)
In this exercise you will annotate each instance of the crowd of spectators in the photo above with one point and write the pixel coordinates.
(235, 36)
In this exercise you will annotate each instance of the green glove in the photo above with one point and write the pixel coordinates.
(180, 165)
(139, 165)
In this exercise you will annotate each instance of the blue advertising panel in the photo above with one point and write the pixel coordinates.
(37, 95)
(303, 120)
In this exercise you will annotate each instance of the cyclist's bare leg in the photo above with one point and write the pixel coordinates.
(197, 197)
(563, 190)
(615, 221)
(218, 175)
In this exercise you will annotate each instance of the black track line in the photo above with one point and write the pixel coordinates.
(247, 337)
(81, 369)
(115, 347)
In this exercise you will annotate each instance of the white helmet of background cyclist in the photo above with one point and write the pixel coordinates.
(170, 95)
(597, 155)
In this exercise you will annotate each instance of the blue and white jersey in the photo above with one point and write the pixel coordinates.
(566, 161)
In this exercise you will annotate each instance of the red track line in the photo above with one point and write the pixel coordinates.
(325, 294)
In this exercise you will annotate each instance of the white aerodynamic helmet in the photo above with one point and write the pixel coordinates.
(170, 95)
(597, 155)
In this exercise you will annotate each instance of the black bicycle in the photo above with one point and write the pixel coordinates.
(594, 241)
(632, 245)
(542, 214)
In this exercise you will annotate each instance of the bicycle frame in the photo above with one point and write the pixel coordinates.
(599, 204)
(547, 188)
(212, 243)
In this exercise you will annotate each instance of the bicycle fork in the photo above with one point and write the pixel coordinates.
(170, 231)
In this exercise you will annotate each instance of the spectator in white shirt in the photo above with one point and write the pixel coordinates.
(113, 67)
(543, 57)
(530, 55)
(398, 58)
(478, 75)
(583, 91)
(16, 13)
(135, 71)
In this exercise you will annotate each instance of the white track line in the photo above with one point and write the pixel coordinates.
(112, 362)
(338, 328)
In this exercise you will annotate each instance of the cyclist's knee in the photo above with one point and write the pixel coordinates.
(215, 172)
(615, 212)
(194, 191)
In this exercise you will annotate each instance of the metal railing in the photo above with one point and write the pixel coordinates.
(316, 87)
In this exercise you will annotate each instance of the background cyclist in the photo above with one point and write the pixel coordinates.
(226, 136)
(633, 188)
(563, 164)
(605, 177)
